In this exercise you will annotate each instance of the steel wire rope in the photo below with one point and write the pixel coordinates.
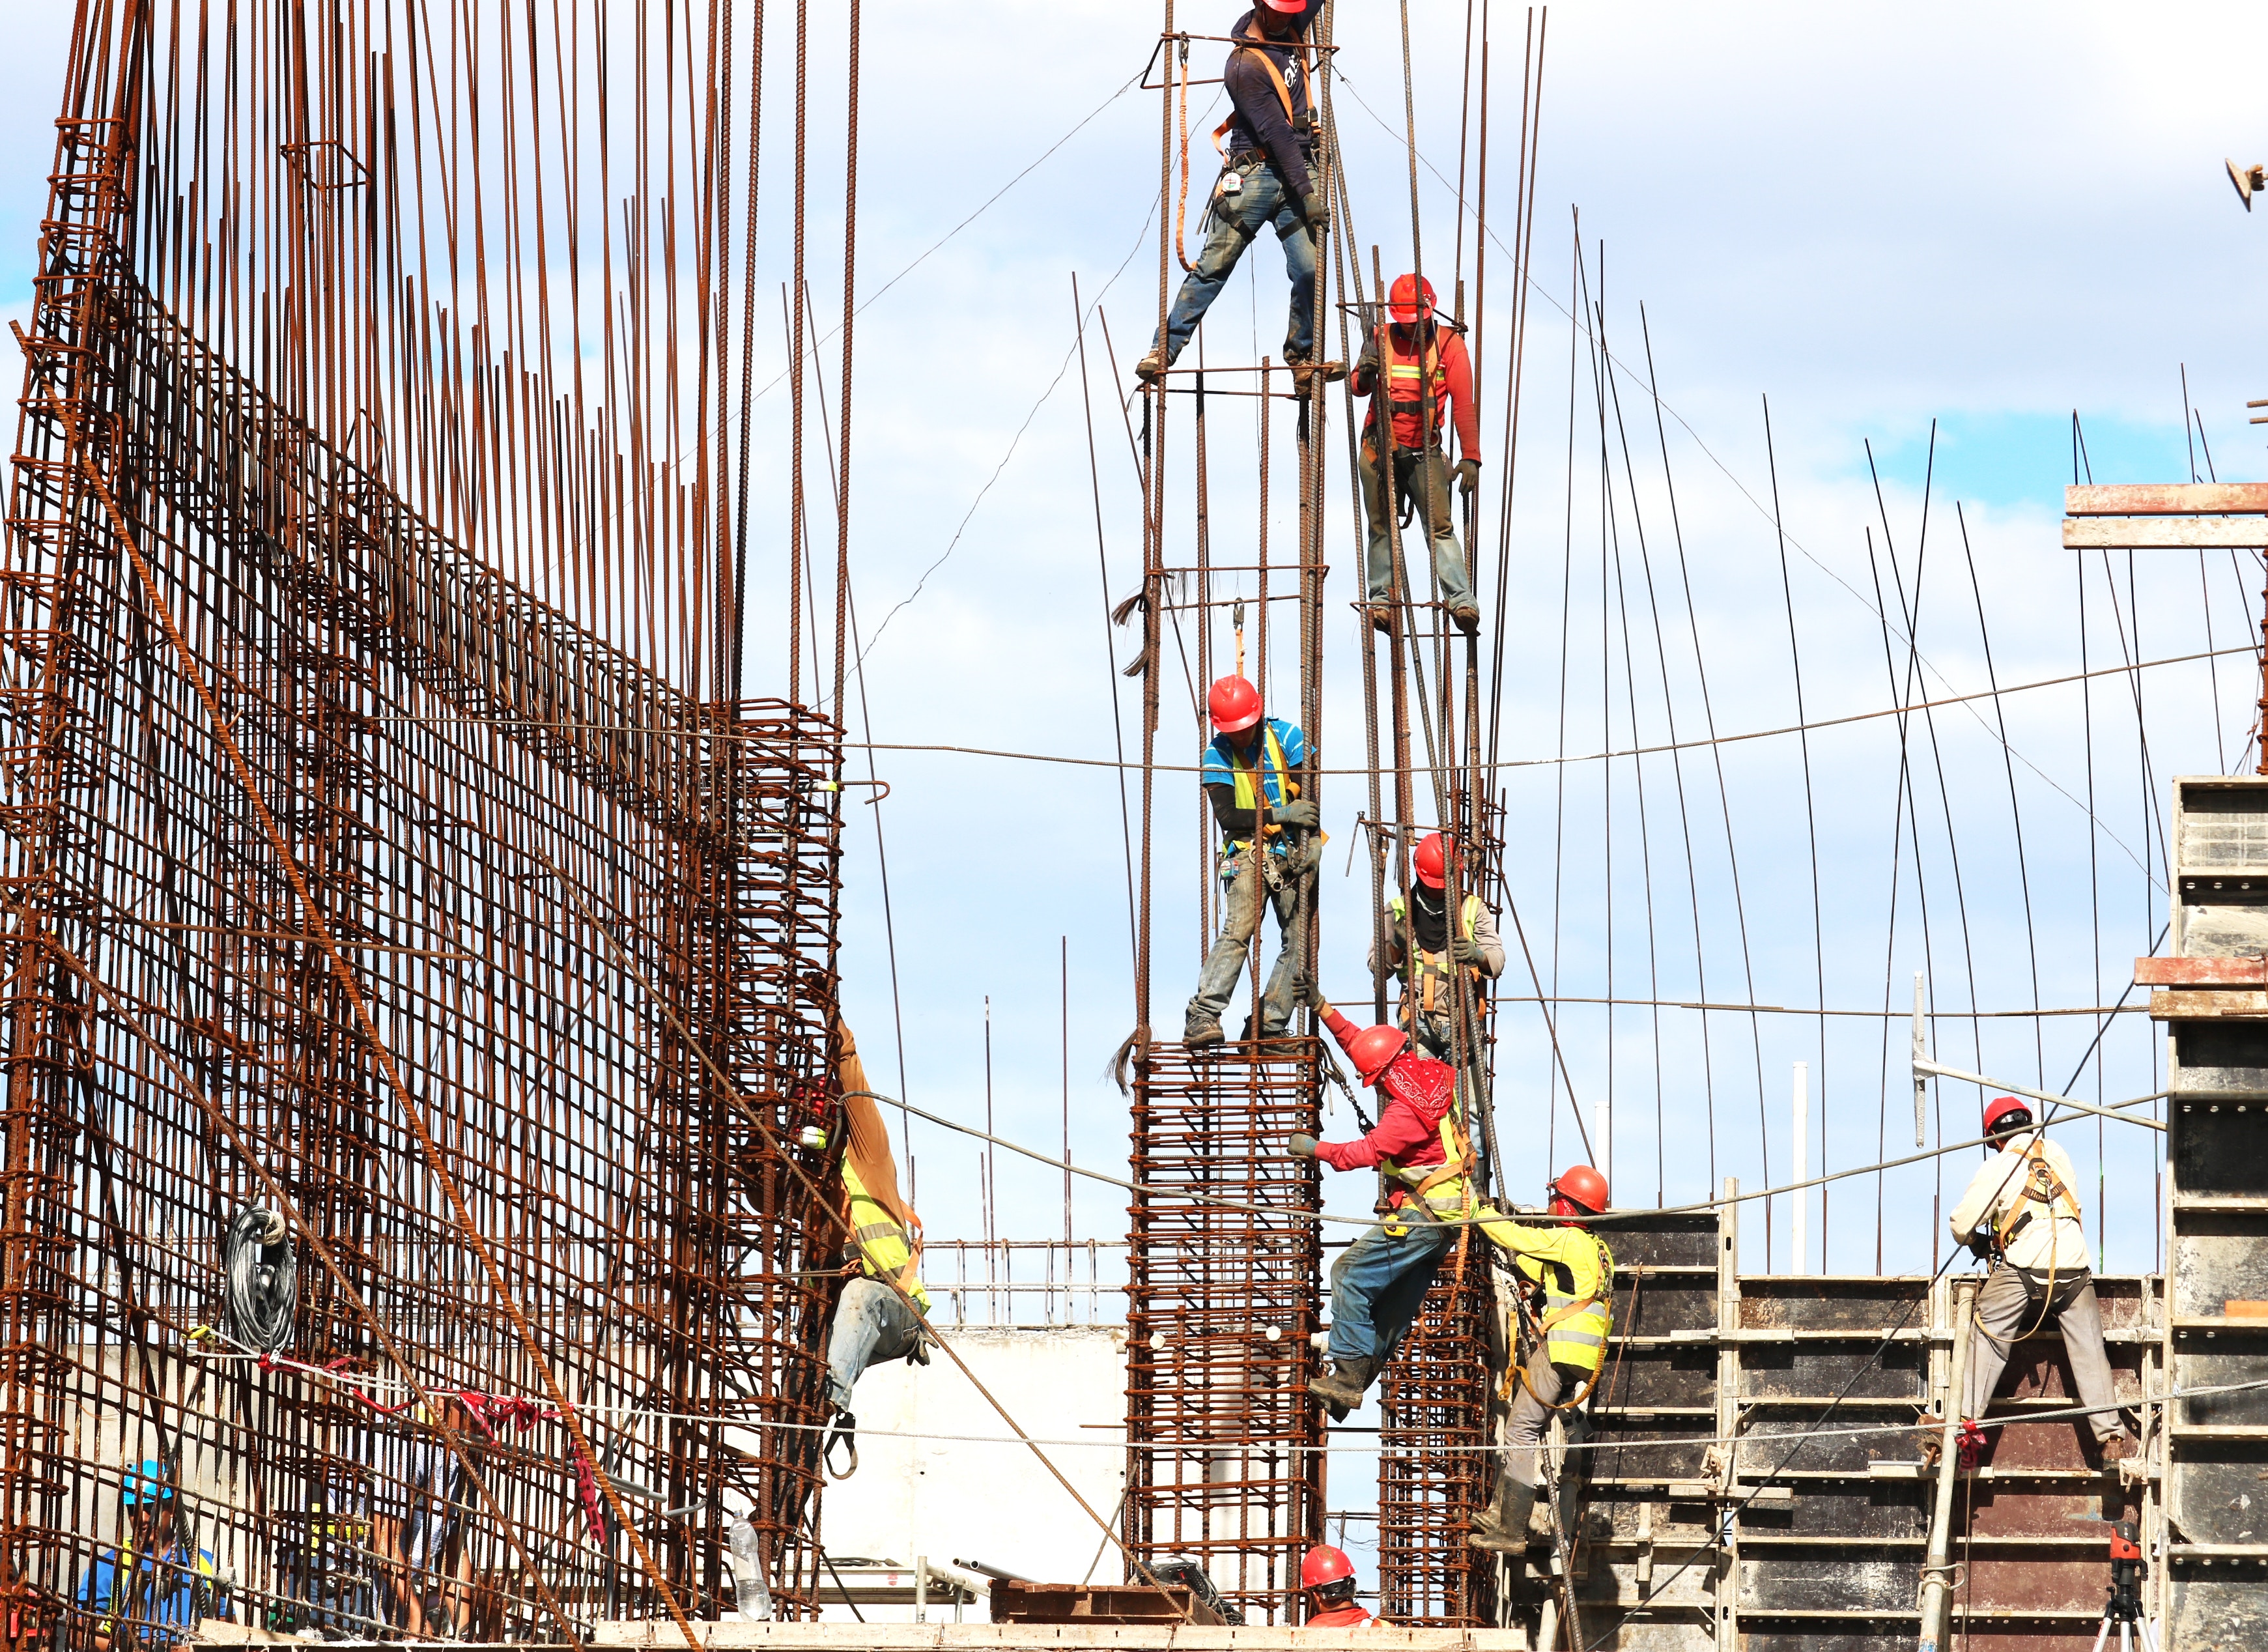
(1810, 816)
(2015, 810)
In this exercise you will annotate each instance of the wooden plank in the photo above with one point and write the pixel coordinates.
(2201, 972)
(2165, 498)
(2165, 533)
(2191, 1004)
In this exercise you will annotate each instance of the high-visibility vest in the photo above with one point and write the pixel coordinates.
(1577, 1312)
(1446, 1188)
(883, 1247)
(1433, 968)
(1410, 380)
(1250, 779)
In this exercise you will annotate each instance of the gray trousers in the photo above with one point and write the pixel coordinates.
(2010, 1304)
(873, 1325)
(1531, 1414)
(1239, 920)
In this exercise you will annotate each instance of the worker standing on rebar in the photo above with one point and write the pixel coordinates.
(2020, 1210)
(1269, 178)
(1428, 378)
(874, 1322)
(1567, 1277)
(1327, 1576)
(1251, 772)
(160, 1584)
(1420, 929)
(1379, 1282)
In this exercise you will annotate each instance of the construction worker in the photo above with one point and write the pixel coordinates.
(1379, 1282)
(2020, 1212)
(1328, 1577)
(1429, 384)
(1269, 178)
(1568, 1275)
(161, 1584)
(1428, 1005)
(1251, 773)
(873, 1322)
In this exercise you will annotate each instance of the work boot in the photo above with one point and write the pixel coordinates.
(1502, 1527)
(1929, 1439)
(1468, 619)
(1381, 617)
(2119, 1447)
(1344, 1382)
(1152, 367)
(1202, 1033)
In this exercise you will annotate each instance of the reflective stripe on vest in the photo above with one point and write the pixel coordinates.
(1249, 780)
(1433, 968)
(1575, 1328)
(1409, 378)
(882, 1245)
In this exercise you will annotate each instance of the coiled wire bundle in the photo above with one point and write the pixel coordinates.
(263, 1273)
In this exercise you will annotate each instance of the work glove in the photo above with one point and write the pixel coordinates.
(1312, 209)
(1306, 814)
(1981, 1247)
(1469, 477)
(1301, 1146)
(1465, 950)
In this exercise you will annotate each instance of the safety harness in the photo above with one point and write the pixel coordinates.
(1456, 1168)
(884, 1249)
(1432, 971)
(1256, 44)
(2042, 1187)
(1250, 778)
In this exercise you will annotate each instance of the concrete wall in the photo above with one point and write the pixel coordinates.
(954, 1500)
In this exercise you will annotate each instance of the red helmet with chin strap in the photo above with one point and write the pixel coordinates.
(1324, 1564)
(1234, 705)
(1372, 1049)
(2002, 1107)
(1431, 862)
(1403, 304)
(1578, 1191)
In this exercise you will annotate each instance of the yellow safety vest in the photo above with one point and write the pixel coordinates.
(1433, 968)
(1249, 781)
(882, 1243)
(1446, 1188)
(1577, 1302)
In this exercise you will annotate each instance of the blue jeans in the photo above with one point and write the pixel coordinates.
(1383, 506)
(1236, 221)
(1379, 1282)
(873, 1325)
(1239, 921)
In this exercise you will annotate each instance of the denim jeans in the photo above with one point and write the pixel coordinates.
(1383, 507)
(1239, 921)
(1379, 1282)
(873, 1325)
(1236, 220)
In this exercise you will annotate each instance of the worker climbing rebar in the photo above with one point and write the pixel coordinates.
(1251, 773)
(1427, 373)
(1419, 944)
(1271, 177)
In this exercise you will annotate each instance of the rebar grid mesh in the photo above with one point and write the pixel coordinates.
(1433, 1409)
(593, 920)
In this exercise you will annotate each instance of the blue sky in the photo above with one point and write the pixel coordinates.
(1874, 215)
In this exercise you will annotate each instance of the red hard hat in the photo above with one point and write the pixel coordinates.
(1284, 5)
(1581, 1186)
(1999, 1107)
(1324, 1564)
(1374, 1050)
(1402, 303)
(1430, 863)
(1235, 704)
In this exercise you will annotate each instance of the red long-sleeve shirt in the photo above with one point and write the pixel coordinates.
(1456, 368)
(1418, 1091)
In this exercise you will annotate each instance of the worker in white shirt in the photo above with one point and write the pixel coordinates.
(2020, 1212)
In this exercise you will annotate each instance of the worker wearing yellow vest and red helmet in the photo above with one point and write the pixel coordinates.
(1251, 772)
(1379, 1282)
(1327, 1577)
(2020, 1209)
(1569, 1274)
(1428, 1004)
(873, 1323)
(1428, 378)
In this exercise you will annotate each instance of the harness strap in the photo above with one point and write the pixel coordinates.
(2042, 1186)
